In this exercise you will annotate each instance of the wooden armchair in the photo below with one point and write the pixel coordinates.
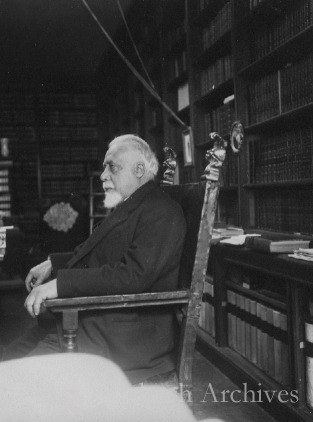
(198, 201)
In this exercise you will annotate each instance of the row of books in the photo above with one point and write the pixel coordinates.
(55, 100)
(286, 26)
(285, 212)
(21, 168)
(63, 171)
(218, 27)
(156, 117)
(68, 133)
(207, 313)
(70, 118)
(19, 100)
(284, 157)
(17, 117)
(254, 3)
(309, 363)
(219, 72)
(297, 84)
(259, 334)
(5, 206)
(59, 187)
(202, 4)
(281, 91)
(15, 100)
(5, 213)
(177, 66)
(5, 198)
(4, 188)
(175, 36)
(70, 153)
(220, 119)
(4, 180)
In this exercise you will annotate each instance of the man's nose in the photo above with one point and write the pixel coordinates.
(104, 175)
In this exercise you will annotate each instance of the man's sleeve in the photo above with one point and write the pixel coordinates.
(59, 260)
(155, 249)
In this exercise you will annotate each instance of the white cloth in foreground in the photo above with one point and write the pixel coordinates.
(81, 388)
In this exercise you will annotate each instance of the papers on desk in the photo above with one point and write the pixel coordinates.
(238, 240)
(3, 240)
(304, 254)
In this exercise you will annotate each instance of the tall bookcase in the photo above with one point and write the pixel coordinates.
(53, 141)
(226, 60)
(274, 97)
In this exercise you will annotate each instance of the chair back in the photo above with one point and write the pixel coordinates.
(190, 197)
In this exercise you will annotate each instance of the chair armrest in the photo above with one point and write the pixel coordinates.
(118, 301)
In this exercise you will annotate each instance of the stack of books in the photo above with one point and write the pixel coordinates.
(229, 231)
(276, 246)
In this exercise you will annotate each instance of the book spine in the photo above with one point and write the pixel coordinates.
(253, 333)
(259, 339)
(270, 343)
(277, 349)
(309, 365)
(285, 353)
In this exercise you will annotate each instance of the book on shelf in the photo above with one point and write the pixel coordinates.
(309, 364)
(277, 349)
(263, 244)
(253, 333)
(285, 353)
(227, 231)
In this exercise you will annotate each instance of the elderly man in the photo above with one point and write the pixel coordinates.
(137, 248)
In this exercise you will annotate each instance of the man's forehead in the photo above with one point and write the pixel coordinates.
(120, 153)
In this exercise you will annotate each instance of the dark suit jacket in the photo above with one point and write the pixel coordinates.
(136, 249)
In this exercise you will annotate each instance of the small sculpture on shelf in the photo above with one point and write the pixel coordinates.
(236, 136)
(215, 157)
(169, 166)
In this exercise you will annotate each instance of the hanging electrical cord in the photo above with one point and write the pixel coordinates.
(133, 69)
(134, 44)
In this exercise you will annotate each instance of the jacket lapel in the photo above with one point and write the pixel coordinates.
(114, 219)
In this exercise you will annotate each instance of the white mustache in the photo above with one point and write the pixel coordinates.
(105, 187)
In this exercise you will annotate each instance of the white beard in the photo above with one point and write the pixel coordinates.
(112, 199)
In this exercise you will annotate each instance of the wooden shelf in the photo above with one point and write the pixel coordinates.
(216, 95)
(254, 294)
(208, 13)
(279, 184)
(265, 12)
(290, 118)
(291, 50)
(220, 48)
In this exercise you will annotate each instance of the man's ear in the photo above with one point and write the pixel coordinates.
(140, 170)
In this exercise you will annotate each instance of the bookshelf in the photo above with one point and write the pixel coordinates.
(53, 140)
(273, 67)
(262, 335)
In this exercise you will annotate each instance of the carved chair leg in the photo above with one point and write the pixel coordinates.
(185, 363)
(70, 326)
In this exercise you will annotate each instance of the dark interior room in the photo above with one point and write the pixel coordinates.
(222, 93)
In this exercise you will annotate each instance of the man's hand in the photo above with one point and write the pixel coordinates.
(38, 295)
(37, 275)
